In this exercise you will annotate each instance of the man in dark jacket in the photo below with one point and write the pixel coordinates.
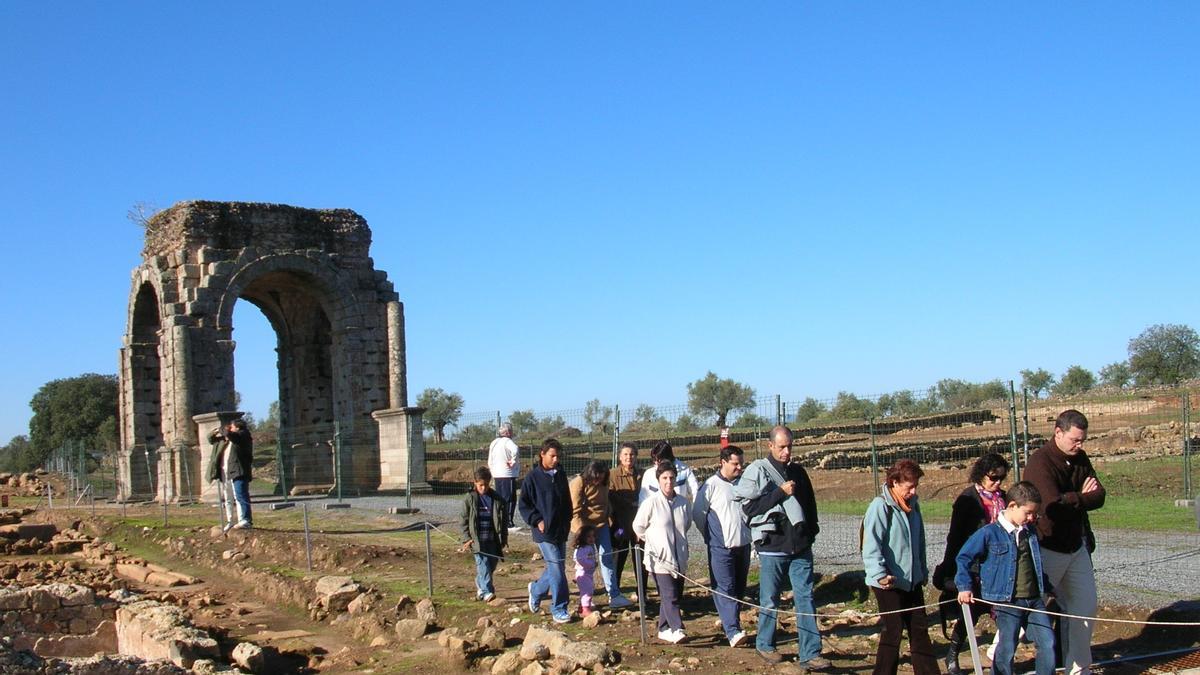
(546, 505)
(777, 498)
(233, 451)
(1064, 476)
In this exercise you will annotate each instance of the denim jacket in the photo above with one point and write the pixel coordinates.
(996, 550)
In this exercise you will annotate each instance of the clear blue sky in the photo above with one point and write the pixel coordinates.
(606, 200)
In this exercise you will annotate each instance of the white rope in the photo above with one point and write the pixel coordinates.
(1093, 618)
(712, 591)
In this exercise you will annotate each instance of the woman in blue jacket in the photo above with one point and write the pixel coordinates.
(894, 559)
(546, 505)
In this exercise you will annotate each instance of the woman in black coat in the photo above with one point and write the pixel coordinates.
(978, 505)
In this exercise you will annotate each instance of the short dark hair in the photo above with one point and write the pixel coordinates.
(987, 464)
(631, 445)
(595, 473)
(729, 451)
(1071, 418)
(664, 467)
(240, 424)
(904, 470)
(484, 474)
(1024, 493)
(550, 443)
(662, 450)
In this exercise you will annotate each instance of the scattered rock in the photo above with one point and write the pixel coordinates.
(249, 657)
(491, 638)
(426, 611)
(411, 629)
(591, 620)
(334, 593)
(509, 663)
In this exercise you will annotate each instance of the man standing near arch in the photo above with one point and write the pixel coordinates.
(1064, 476)
(504, 461)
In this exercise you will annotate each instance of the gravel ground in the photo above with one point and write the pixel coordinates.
(1149, 570)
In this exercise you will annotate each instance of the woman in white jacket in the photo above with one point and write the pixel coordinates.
(662, 522)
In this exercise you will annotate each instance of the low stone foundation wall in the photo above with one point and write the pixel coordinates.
(68, 620)
(58, 620)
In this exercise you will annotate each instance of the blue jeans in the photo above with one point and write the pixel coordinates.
(1037, 628)
(241, 493)
(799, 570)
(728, 568)
(484, 566)
(553, 581)
(608, 567)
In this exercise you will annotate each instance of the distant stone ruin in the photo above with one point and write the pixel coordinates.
(341, 354)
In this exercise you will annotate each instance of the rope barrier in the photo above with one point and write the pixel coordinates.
(864, 615)
(1064, 615)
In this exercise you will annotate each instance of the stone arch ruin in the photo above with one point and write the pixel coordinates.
(341, 354)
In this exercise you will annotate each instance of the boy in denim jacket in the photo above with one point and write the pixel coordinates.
(1010, 572)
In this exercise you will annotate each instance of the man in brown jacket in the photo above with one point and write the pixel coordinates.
(1064, 476)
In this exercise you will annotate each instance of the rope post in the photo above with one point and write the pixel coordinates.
(429, 559)
(966, 612)
(307, 536)
(640, 571)
(164, 501)
(778, 410)
(50, 496)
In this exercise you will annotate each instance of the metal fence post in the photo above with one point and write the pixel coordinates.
(874, 453)
(778, 411)
(1012, 429)
(1025, 420)
(307, 536)
(337, 458)
(280, 470)
(1187, 445)
(616, 435)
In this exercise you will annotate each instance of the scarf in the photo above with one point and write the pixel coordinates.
(900, 500)
(993, 503)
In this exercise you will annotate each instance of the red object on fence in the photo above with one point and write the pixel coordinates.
(725, 437)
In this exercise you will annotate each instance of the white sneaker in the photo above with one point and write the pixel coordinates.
(738, 639)
(680, 636)
(667, 635)
(243, 525)
(487, 597)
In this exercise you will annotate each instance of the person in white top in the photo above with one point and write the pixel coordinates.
(719, 517)
(662, 521)
(504, 461)
(686, 485)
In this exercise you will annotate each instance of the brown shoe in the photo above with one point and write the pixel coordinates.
(770, 657)
(815, 663)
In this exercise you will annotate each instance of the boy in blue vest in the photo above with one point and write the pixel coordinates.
(1010, 573)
